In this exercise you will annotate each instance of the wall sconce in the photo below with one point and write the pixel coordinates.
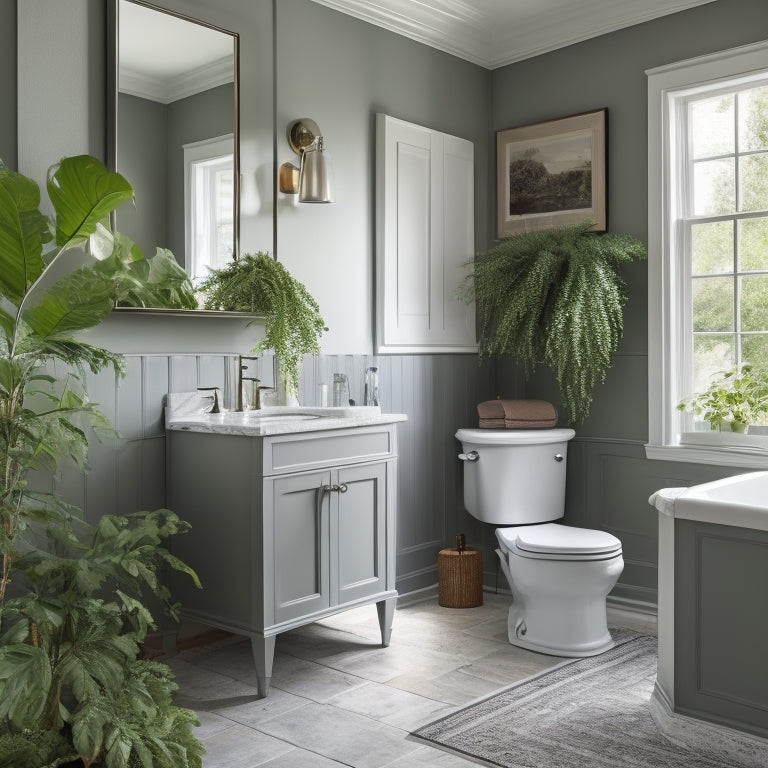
(312, 181)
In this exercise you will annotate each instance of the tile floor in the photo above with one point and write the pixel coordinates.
(339, 698)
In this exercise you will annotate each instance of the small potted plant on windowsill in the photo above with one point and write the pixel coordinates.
(734, 400)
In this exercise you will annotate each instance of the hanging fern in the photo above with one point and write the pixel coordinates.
(555, 297)
(292, 321)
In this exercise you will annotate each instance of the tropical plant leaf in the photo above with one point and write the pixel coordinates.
(23, 231)
(25, 677)
(81, 299)
(83, 193)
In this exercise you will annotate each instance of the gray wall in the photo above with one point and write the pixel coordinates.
(8, 82)
(141, 157)
(364, 69)
(150, 153)
(609, 479)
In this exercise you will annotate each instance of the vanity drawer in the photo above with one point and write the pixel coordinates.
(298, 452)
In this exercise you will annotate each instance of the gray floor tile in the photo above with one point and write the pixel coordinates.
(392, 706)
(310, 679)
(344, 736)
(241, 747)
(339, 699)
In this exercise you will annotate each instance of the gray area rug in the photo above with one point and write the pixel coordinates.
(589, 713)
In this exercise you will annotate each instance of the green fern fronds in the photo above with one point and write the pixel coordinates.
(555, 297)
(292, 321)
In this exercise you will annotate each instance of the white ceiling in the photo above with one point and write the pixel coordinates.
(163, 57)
(493, 33)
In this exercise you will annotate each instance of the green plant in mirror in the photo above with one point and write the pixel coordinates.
(259, 284)
(74, 688)
(735, 398)
(554, 297)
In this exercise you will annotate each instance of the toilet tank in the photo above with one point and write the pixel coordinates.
(514, 476)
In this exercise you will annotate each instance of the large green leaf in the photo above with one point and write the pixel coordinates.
(25, 676)
(23, 230)
(83, 193)
(81, 299)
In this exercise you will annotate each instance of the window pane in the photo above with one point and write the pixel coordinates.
(754, 182)
(714, 187)
(754, 350)
(712, 126)
(712, 248)
(753, 244)
(754, 303)
(711, 354)
(753, 119)
(713, 304)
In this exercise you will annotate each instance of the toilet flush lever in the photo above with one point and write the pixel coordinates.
(471, 456)
(558, 457)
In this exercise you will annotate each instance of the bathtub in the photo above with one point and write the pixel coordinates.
(710, 687)
(741, 500)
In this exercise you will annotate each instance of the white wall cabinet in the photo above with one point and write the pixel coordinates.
(286, 529)
(425, 236)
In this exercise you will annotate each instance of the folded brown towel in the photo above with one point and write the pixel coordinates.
(516, 414)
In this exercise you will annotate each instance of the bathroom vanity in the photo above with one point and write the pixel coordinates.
(293, 518)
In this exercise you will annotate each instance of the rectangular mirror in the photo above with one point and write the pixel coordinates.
(173, 121)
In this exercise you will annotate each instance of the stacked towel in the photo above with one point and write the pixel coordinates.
(516, 414)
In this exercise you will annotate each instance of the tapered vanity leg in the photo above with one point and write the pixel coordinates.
(263, 655)
(386, 611)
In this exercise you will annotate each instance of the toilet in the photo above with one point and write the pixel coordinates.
(559, 575)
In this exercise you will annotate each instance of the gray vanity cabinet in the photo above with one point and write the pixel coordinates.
(286, 529)
(331, 528)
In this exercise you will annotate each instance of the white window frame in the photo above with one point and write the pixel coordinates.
(668, 283)
(208, 150)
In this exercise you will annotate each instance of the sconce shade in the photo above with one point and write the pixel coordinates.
(316, 175)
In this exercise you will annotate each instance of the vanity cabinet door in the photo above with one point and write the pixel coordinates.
(358, 548)
(300, 536)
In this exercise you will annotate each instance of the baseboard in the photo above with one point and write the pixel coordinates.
(632, 605)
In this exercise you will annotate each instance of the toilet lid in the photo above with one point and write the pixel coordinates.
(554, 539)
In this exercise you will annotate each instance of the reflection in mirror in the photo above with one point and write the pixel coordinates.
(175, 135)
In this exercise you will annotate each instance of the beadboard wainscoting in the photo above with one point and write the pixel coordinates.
(438, 393)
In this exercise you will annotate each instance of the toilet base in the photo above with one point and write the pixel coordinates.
(553, 632)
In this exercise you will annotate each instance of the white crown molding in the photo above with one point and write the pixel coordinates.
(167, 90)
(494, 33)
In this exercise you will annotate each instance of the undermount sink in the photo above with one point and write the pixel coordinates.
(304, 413)
(272, 417)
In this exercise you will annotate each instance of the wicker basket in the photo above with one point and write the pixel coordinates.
(460, 578)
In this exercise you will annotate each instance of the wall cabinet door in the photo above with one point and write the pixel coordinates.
(425, 235)
(301, 531)
(360, 538)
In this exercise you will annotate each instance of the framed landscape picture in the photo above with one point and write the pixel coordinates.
(552, 174)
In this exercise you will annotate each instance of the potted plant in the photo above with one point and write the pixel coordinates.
(554, 297)
(259, 284)
(74, 688)
(735, 399)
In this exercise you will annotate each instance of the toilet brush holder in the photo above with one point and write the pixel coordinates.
(460, 576)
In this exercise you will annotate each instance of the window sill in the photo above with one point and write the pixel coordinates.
(718, 449)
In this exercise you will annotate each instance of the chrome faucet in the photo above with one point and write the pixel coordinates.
(242, 368)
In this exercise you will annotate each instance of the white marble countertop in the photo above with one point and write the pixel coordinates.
(186, 412)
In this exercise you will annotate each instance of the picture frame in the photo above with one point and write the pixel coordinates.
(552, 174)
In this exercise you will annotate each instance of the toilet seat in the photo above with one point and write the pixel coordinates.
(551, 541)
